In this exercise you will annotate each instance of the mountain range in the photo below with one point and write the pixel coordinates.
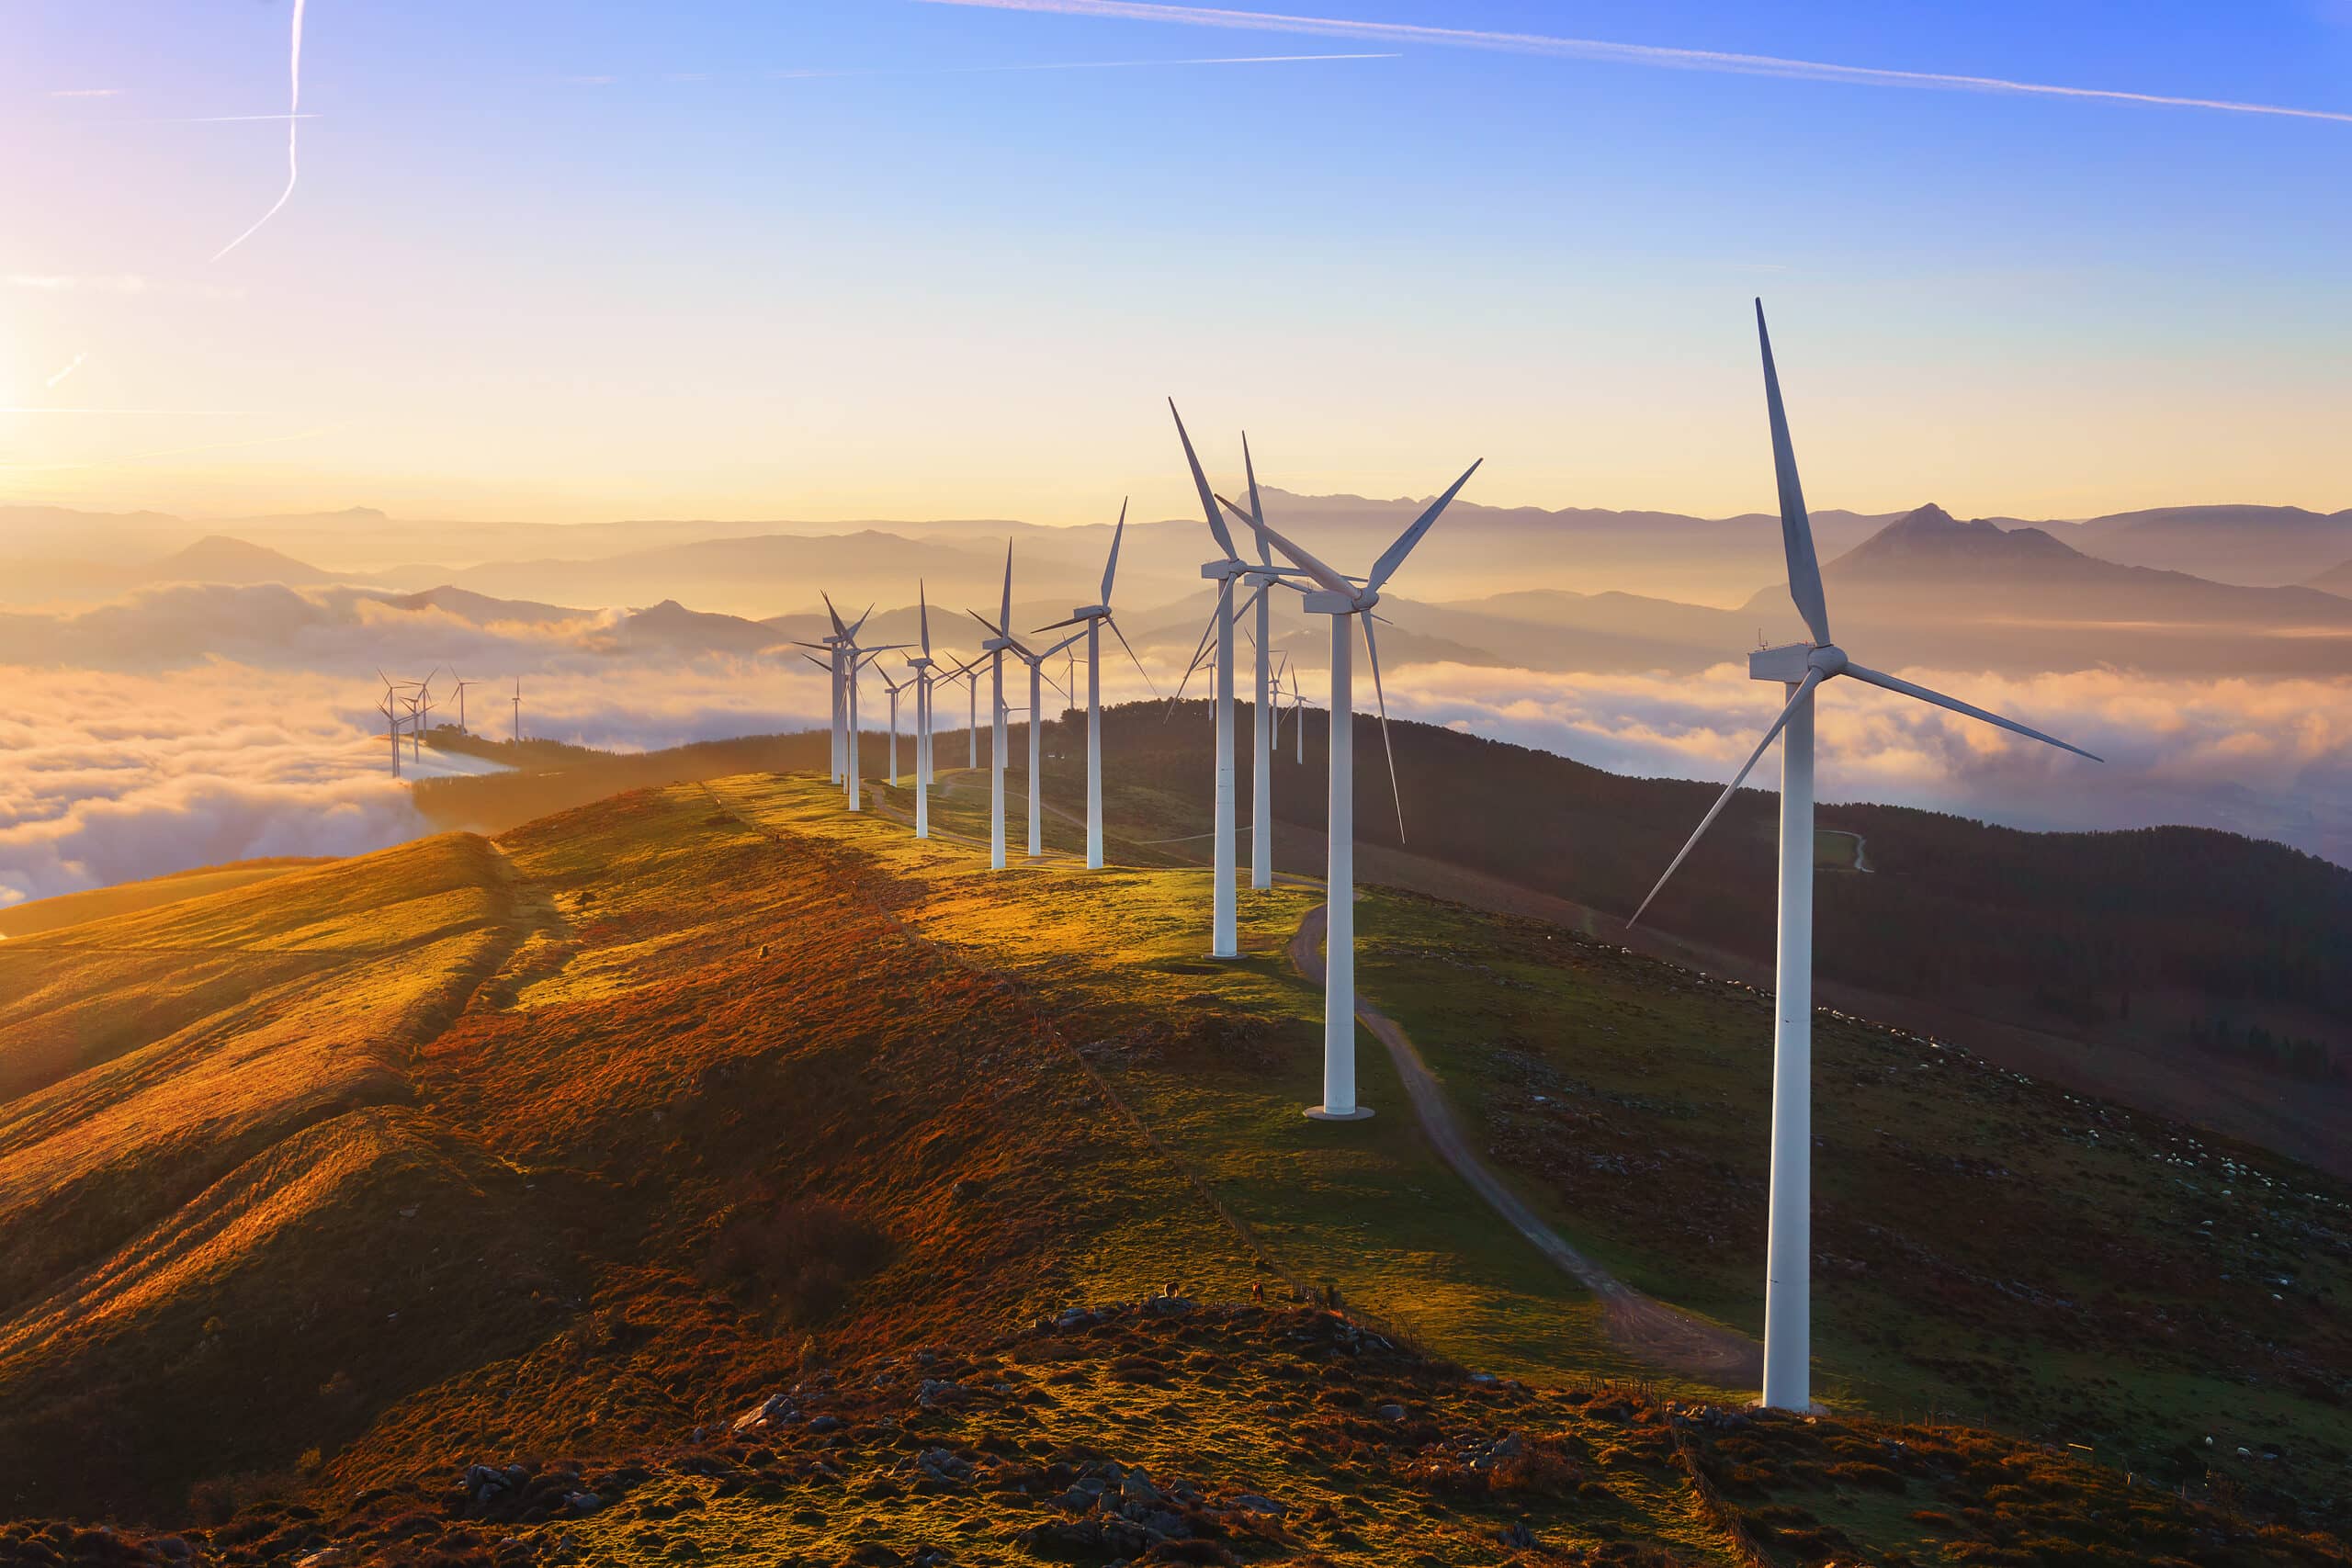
(1924, 587)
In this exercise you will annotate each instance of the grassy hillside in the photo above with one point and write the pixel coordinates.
(738, 1179)
(39, 914)
(2174, 967)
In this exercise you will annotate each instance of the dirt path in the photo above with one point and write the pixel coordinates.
(1640, 1326)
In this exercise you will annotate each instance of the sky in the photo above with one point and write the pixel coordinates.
(831, 259)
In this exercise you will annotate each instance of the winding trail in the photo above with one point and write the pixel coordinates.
(1652, 1330)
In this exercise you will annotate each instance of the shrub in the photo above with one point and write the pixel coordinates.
(803, 1256)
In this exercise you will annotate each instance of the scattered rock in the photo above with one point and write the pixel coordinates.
(1390, 1412)
(825, 1424)
(1518, 1535)
(777, 1410)
(1251, 1503)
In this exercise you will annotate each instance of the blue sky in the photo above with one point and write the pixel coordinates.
(595, 259)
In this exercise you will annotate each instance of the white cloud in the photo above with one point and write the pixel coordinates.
(2272, 758)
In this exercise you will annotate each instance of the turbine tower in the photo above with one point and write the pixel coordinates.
(1035, 659)
(922, 665)
(461, 704)
(390, 708)
(1224, 933)
(894, 687)
(994, 647)
(518, 710)
(1262, 782)
(1095, 617)
(1344, 602)
(1802, 669)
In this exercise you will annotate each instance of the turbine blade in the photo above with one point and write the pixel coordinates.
(922, 598)
(1223, 588)
(1111, 567)
(1004, 616)
(1060, 624)
(1372, 654)
(1395, 554)
(1201, 483)
(1257, 509)
(1889, 682)
(1323, 575)
(1796, 526)
(839, 630)
(1131, 657)
(1805, 689)
(861, 624)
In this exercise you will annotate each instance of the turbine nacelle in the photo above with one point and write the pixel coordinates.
(1792, 663)
(1087, 613)
(1322, 601)
(1224, 570)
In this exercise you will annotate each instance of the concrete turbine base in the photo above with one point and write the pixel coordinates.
(1318, 1113)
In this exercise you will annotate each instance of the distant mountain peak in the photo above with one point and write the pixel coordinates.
(1931, 536)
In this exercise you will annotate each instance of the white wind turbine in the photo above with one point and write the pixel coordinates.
(1344, 602)
(390, 708)
(852, 659)
(461, 704)
(1224, 924)
(994, 647)
(894, 687)
(1002, 643)
(1095, 617)
(1262, 782)
(922, 665)
(1801, 667)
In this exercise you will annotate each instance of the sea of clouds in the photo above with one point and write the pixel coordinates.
(190, 726)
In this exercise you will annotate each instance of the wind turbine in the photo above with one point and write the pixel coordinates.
(461, 704)
(422, 707)
(390, 709)
(1261, 782)
(853, 658)
(994, 647)
(1802, 669)
(518, 710)
(1343, 601)
(1224, 933)
(1001, 643)
(922, 665)
(894, 687)
(1095, 617)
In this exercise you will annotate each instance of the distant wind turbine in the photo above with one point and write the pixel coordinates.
(894, 687)
(1095, 617)
(1001, 643)
(518, 710)
(922, 665)
(1224, 914)
(1344, 602)
(1801, 667)
(1261, 779)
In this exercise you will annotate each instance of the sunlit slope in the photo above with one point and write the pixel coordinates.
(463, 1144)
(81, 995)
(40, 915)
(606, 1134)
(238, 1046)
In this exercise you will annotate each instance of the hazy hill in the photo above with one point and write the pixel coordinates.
(754, 576)
(2336, 580)
(2261, 546)
(216, 558)
(1931, 589)
(755, 1181)
(483, 610)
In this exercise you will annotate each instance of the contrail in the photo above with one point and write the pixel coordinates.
(1620, 53)
(214, 118)
(69, 370)
(293, 130)
(1067, 65)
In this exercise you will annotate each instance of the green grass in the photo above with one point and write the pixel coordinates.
(1979, 1250)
